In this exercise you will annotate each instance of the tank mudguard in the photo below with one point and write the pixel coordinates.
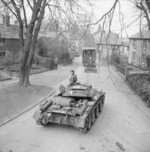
(81, 120)
(37, 115)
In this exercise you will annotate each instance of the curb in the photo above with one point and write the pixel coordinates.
(5, 79)
(32, 106)
(122, 76)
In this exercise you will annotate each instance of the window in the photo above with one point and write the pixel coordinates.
(134, 44)
(1, 44)
(2, 54)
(144, 44)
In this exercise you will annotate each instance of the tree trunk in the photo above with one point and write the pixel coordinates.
(30, 43)
(24, 76)
(25, 71)
(24, 67)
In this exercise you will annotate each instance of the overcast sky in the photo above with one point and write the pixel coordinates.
(100, 7)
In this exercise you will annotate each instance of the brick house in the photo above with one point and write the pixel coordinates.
(75, 38)
(139, 48)
(109, 43)
(87, 40)
(9, 39)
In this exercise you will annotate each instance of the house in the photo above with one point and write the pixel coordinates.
(110, 42)
(62, 40)
(87, 40)
(74, 38)
(9, 39)
(139, 48)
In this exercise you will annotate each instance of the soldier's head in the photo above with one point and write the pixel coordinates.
(72, 71)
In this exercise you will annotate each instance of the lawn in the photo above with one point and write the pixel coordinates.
(14, 99)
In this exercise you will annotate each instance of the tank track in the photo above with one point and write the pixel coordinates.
(93, 115)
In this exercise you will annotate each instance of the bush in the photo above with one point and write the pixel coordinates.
(50, 49)
(141, 84)
(115, 57)
(65, 58)
(10, 59)
(119, 61)
(44, 62)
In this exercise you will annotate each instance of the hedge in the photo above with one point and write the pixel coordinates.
(140, 82)
(44, 62)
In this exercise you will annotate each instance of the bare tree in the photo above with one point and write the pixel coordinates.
(31, 26)
(144, 6)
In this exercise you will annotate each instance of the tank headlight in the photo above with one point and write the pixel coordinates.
(49, 114)
(95, 98)
(70, 92)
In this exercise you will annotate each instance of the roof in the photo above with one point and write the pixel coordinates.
(87, 34)
(45, 33)
(88, 39)
(59, 34)
(76, 36)
(10, 32)
(101, 37)
(145, 34)
(52, 35)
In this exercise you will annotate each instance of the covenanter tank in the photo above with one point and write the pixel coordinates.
(78, 105)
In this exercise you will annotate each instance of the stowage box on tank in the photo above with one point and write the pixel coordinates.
(78, 105)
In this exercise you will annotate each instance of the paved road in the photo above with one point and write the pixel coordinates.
(123, 125)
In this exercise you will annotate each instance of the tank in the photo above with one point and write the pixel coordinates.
(78, 105)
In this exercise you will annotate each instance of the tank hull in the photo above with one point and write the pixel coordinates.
(84, 121)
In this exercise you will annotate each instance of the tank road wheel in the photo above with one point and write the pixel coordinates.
(101, 105)
(93, 117)
(44, 121)
(97, 112)
(148, 103)
(38, 122)
(89, 123)
(87, 126)
(85, 129)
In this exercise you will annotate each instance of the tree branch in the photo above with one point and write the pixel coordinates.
(36, 31)
(18, 12)
(113, 7)
(24, 12)
(142, 7)
(7, 5)
(148, 4)
(30, 5)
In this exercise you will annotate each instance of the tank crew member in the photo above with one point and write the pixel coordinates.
(73, 78)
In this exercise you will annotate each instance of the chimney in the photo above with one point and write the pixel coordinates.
(6, 20)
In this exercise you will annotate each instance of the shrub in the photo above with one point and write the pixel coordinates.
(44, 62)
(50, 49)
(65, 58)
(141, 84)
(115, 57)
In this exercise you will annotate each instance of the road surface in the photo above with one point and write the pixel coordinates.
(124, 124)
